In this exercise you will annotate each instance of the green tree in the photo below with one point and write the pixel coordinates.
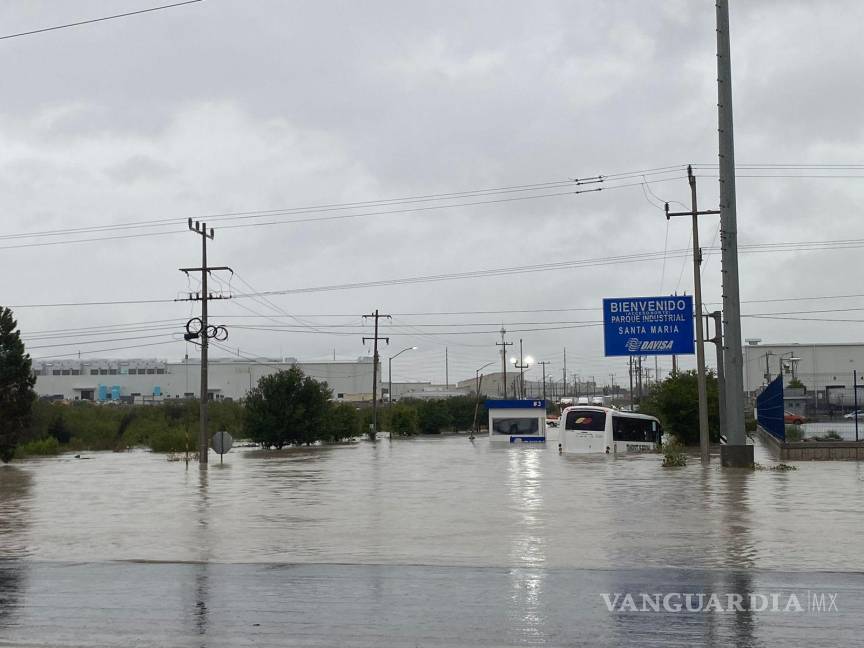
(16, 386)
(59, 431)
(287, 408)
(343, 422)
(403, 419)
(434, 416)
(675, 402)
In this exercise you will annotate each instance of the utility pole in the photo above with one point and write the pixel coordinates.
(504, 344)
(767, 367)
(631, 383)
(543, 364)
(736, 452)
(564, 374)
(694, 214)
(521, 366)
(204, 297)
(374, 431)
(446, 367)
(717, 316)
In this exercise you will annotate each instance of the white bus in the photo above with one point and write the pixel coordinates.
(588, 429)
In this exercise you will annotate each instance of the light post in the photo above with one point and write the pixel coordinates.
(792, 361)
(522, 364)
(477, 378)
(390, 372)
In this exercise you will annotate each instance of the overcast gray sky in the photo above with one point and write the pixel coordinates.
(231, 106)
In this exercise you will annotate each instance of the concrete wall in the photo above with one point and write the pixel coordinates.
(227, 378)
(813, 450)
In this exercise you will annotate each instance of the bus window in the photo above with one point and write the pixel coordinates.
(585, 420)
(634, 430)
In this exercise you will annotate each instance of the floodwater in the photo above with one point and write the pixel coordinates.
(429, 541)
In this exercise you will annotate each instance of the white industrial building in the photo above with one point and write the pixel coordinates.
(139, 380)
(826, 370)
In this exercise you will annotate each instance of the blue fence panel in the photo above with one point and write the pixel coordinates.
(770, 409)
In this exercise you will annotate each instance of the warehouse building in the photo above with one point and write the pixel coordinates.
(141, 380)
(826, 371)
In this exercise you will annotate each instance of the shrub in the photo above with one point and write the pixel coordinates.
(170, 440)
(673, 454)
(830, 435)
(794, 433)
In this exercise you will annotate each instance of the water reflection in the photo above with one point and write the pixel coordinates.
(15, 486)
(527, 619)
(740, 550)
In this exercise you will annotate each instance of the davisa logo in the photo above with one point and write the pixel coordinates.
(633, 345)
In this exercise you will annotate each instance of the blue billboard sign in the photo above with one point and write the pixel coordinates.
(648, 326)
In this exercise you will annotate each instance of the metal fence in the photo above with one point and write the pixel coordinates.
(795, 413)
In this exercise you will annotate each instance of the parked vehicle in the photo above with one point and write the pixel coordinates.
(854, 415)
(793, 419)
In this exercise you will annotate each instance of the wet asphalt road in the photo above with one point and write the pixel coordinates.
(147, 604)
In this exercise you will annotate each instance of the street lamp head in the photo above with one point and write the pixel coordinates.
(414, 348)
(529, 360)
(513, 361)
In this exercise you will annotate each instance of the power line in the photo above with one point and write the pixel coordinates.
(95, 20)
(492, 272)
(293, 211)
(134, 346)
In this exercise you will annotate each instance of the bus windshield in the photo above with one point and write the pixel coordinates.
(586, 420)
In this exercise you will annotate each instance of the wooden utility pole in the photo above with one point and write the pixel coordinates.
(204, 297)
(543, 364)
(374, 431)
(694, 214)
(504, 344)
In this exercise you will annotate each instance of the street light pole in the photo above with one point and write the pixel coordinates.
(390, 373)
(477, 377)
